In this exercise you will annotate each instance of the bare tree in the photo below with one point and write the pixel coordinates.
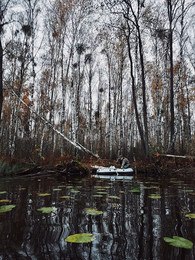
(4, 4)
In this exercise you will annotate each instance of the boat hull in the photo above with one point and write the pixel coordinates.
(115, 171)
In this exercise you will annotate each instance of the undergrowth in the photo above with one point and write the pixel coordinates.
(7, 169)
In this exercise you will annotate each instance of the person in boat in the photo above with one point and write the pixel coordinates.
(124, 162)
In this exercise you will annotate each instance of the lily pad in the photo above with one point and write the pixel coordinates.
(97, 196)
(64, 197)
(154, 196)
(5, 200)
(179, 242)
(47, 209)
(114, 197)
(136, 189)
(6, 208)
(80, 238)
(56, 189)
(3, 192)
(190, 215)
(122, 191)
(74, 191)
(177, 182)
(188, 190)
(92, 211)
(44, 194)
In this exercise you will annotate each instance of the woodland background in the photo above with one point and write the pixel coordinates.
(114, 76)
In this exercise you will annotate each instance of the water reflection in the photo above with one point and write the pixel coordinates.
(132, 225)
(113, 178)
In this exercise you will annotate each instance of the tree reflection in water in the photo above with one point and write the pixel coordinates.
(131, 226)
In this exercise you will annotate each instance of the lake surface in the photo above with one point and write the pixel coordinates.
(132, 225)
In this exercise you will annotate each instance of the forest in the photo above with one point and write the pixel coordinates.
(96, 77)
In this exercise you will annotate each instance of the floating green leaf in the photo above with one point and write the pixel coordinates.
(47, 209)
(74, 191)
(179, 242)
(22, 188)
(56, 189)
(44, 194)
(6, 208)
(92, 211)
(3, 192)
(176, 182)
(80, 238)
(154, 196)
(188, 190)
(97, 196)
(5, 200)
(190, 215)
(102, 192)
(114, 197)
(136, 189)
(64, 197)
(122, 191)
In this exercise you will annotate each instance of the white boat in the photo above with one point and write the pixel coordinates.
(113, 171)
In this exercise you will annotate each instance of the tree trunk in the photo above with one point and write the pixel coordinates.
(145, 116)
(121, 148)
(172, 112)
(1, 76)
(90, 106)
(109, 105)
(134, 95)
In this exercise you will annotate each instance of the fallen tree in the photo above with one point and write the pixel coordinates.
(75, 144)
(177, 156)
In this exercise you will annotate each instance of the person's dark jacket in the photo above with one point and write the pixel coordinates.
(124, 162)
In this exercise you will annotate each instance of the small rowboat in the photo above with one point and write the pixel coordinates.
(113, 171)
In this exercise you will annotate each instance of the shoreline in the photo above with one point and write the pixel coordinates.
(155, 166)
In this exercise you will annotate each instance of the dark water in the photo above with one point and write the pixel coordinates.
(131, 226)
